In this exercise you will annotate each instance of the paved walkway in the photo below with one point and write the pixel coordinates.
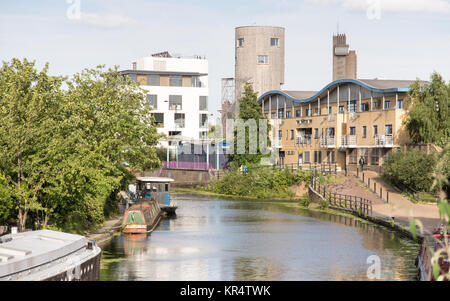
(399, 207)
(105, 233)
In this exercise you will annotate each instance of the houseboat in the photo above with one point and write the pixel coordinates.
(156, 188)
(46, 255)
(430, 245)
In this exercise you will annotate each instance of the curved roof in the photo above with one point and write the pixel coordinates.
(374, 85)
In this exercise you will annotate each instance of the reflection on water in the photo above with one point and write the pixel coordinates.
(244, 240)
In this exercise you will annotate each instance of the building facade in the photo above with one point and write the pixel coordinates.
(346, 120)
(260, 58)
(177, 91)
(344, 60)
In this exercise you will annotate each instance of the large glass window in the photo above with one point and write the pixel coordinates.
(153, 101)
(288, 114)
(298, 113)
(306, 157)
(263, 59)
(203, 106)
(387, 104)
(175, 81)
(364, 107)
(280, 113)
(175, 102)
(374, 156)
(400, 104)
(153, 80)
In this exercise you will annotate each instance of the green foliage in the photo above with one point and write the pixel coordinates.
(6, 200)
(249, 109)
(259, 182)
(429, 118)
(63, 150)
(411, 169)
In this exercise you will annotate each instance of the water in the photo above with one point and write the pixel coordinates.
(223, 240)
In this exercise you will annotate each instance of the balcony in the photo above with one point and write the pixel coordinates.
(384, 140)
(348, 141)
(327, 142)
(303, 140)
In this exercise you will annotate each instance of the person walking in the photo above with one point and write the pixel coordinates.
(361, 163)
(245, 169)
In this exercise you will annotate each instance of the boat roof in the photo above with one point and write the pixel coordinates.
(154, 179)
(31, 249)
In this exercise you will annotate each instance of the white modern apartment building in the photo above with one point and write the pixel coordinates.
(178, 92)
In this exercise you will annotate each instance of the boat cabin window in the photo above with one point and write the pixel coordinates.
(166, 187)
(148, 186)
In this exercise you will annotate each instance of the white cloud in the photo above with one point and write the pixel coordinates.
(103, 21)
(391, 6)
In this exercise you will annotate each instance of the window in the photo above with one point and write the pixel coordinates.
(375, 105)
(241, 42)
(352, 106)
(159, 119)
(353, 155)
(203, 106)
(273, 41)
(288, 114)
(306, 157)
(352, 130)
(153, 80)
(280, 134)
(374, 155)
(203, 120)
(179, 120)
(365, 107)
(263, 59)
(175, 81)
(175, 102)
(364, 152)
(309, 112)
(330, 132)
(364, 131)
(292, 135)
(388, 129)
(387, 104)
(316, 111)
(316, 133)
(153, 100)
(329, 110)
(317, 157)
(341, 109)
(196, 82)
(298, 113)
(280, 113)
(400, 104)
(375, 130)
(274, 115)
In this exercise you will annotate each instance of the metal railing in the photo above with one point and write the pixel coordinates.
(384, 140)
(303, 139)
(353, 203)
(327, 141)
(348, 140)
(187, 165)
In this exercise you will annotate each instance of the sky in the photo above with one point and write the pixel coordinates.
(393, 39)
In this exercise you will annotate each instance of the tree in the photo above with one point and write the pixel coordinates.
(28, 102)
(429, 118)
(63, 152)
(249, 110)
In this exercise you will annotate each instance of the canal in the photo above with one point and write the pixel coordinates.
(225, 240)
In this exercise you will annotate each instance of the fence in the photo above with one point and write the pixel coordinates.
(355, 204)
(322, 167)
(187, 165)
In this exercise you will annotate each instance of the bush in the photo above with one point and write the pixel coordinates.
(259, 182)
(411, 169)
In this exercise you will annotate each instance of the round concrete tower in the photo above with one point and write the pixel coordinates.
(259, 58)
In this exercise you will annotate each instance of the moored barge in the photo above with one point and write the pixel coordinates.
(47, 255)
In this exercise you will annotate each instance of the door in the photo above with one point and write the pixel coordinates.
(300, 159)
